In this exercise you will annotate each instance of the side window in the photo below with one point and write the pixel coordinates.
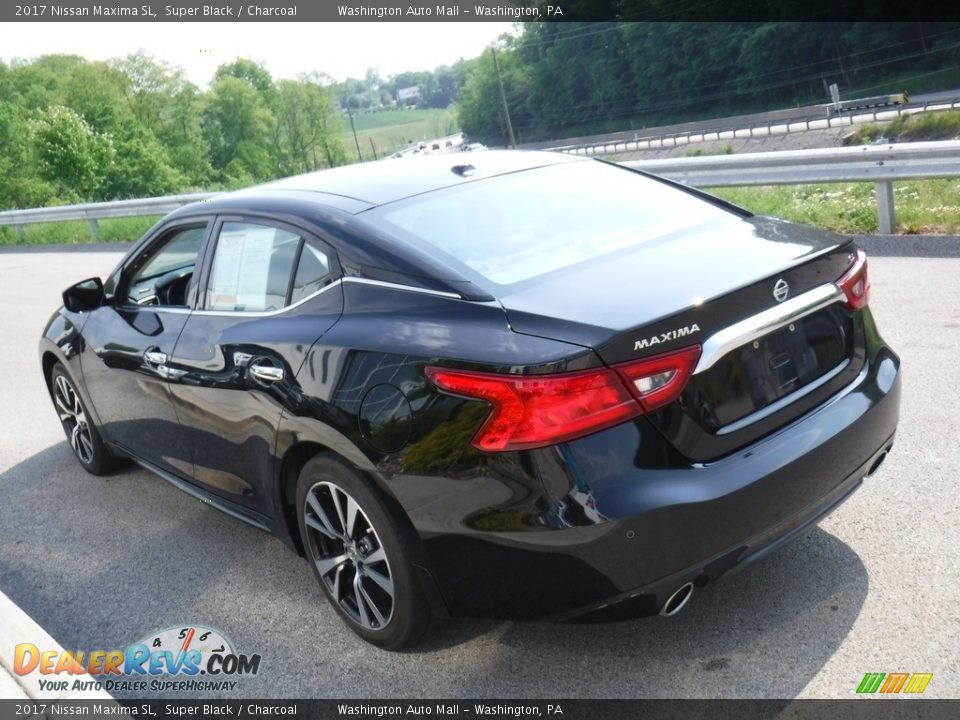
(313, 273)
(252, 266)
(162, 273)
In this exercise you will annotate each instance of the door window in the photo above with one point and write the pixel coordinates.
(162, 274)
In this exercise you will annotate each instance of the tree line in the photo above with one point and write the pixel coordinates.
(569, 79)
(72, 130)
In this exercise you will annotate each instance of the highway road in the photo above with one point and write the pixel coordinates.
(759, 125)
(103, 562)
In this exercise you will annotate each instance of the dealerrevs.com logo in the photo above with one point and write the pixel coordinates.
(188, 659)
(894, 683)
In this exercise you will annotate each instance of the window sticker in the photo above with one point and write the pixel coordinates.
(242, 267)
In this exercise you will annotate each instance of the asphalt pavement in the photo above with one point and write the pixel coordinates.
(103, 562)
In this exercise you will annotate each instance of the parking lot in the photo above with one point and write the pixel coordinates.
(103, 562)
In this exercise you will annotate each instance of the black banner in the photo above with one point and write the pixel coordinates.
(477, 11)
(858, 709)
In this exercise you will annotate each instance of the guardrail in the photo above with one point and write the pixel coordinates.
(778, 122)
(91, 212)
(880, 164)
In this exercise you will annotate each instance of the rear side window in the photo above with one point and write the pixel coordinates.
(517, 226)
(313, 272)
(260, 268)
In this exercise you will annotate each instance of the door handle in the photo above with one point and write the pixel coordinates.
(155, 357)
(266, 373)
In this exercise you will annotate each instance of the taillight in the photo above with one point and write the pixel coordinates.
(531, 411)
(657, 381)
(855, 282)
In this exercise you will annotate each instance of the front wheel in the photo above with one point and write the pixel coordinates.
(82, 433)
(362, 556)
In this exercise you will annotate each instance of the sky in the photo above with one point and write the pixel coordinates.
(339, 49)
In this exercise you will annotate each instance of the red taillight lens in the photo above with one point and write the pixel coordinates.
(855, 282)
(530, 411)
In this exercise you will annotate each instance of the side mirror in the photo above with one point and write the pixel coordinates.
(85, 295)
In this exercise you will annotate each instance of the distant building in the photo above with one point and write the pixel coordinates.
(408, 95)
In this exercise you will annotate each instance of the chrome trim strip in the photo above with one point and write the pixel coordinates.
(755, 326)
(335, 283)
(408, 288)
(268, 313)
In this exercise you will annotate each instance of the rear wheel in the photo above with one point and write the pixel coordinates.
(82, 433)
(362, 556)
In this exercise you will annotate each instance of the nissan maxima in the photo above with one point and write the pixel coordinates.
(522, 385)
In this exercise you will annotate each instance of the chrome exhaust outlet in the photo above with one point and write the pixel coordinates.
(677, 600)
(877, 463)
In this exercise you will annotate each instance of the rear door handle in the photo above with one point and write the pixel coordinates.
(266, 373)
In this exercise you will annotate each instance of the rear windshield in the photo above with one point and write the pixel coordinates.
(519, 226)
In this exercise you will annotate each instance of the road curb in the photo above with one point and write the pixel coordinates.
(18, 627)
(931, 246)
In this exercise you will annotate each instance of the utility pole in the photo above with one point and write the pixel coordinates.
(503, 98)
(355, 141)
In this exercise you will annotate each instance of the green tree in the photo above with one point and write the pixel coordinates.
(481, 110)
(171, 108)
(307, 127)
(20, 185)
(140, 166)
(238, 128)
(70, 154)
(254, 73)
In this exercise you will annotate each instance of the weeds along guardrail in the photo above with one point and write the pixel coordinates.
(879, 164)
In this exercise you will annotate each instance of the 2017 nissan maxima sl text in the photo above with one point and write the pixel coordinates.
(530, 386)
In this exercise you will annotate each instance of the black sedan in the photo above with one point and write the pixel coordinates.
(522, 385)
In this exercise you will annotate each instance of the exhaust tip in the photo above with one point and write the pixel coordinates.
(877, 463)
(677, 600)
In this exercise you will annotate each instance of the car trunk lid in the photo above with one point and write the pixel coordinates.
(687, 290)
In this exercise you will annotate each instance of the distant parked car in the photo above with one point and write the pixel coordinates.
(534, 385)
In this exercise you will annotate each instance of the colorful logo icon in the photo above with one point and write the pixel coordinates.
(894, 683)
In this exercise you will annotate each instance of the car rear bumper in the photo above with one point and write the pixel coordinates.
(655, 523)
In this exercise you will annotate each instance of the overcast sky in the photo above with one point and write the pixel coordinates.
(340, 49)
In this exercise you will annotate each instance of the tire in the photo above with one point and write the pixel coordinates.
(82, 433)
(357, 575)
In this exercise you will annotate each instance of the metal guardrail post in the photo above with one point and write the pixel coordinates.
(886, 213)
(94, 228)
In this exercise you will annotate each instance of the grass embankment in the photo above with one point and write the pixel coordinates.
(392, 130)
(922, 206)
(910, 128)
(77, 232)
